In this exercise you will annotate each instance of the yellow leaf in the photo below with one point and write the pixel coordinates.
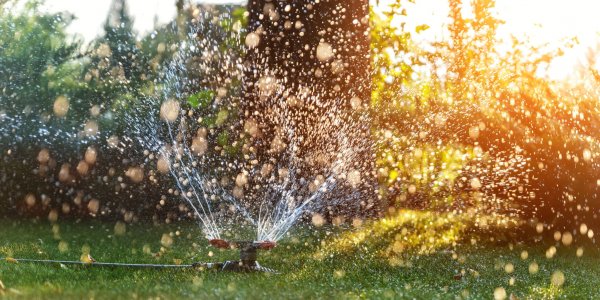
(12, 260)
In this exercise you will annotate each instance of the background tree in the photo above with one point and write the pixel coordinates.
(306, 49)
(468, 127)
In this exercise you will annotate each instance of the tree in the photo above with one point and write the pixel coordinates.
(117, 66)
(307, 64)
(34, 51)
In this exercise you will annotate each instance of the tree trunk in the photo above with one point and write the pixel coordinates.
(316, 49)
(320, 44)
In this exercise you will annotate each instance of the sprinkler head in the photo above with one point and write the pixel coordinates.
(248, 254)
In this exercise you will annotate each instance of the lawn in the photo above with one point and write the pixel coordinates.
(312, 262)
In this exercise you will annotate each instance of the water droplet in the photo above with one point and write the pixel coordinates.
(474, 132)
(82, 168)
(567, 238)
(120, 228)
(509, 268)
(63, 246)
(355, 102)
(241, 179)
(533, 268)
(475, 183)
(324, 51)
(337, 66)
(539, 227)
(90, 128)
(93, 206)
(95, 111)
(166, 240)
(136, 174)
(113, 141)
(30, 200)
(357, 222)
(550, 252)
(252, 40)
(318, 220)
(558, 278)
(412, 189)
(162, 165)
(43, 156)
(579, 252)
(587, 155)
(557, 235)
(53, 216)
(103, 51)
(90, 155)
(354, 178)
(169, 110)
(61, 106)
(524, 255)
(499, 293)
(199, 145)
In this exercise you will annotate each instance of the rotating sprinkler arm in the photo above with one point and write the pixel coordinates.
(265, 245)
(219, 243)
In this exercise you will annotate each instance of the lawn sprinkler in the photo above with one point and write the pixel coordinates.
(248, 255)
(247, 262)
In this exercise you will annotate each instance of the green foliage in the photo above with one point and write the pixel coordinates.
(473, 98)
(222, 117)
(117, 71)
(421, 28)
(38, 63)
(201, 99)
(223, 139)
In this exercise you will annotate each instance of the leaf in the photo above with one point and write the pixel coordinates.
(223, 138)
(421, 28)
(222, 117)
(209, 121)
(393, 175)
(201, 99)
(11, 260)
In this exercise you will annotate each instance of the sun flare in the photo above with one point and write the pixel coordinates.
(572, 26)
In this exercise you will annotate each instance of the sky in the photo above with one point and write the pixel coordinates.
(542, 21)
(91, 14)
(549, 22)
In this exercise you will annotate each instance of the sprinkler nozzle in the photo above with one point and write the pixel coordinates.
(219, 243)
(248, 255)
(265, 245)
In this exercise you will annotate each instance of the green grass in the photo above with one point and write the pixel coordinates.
(307, 270)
